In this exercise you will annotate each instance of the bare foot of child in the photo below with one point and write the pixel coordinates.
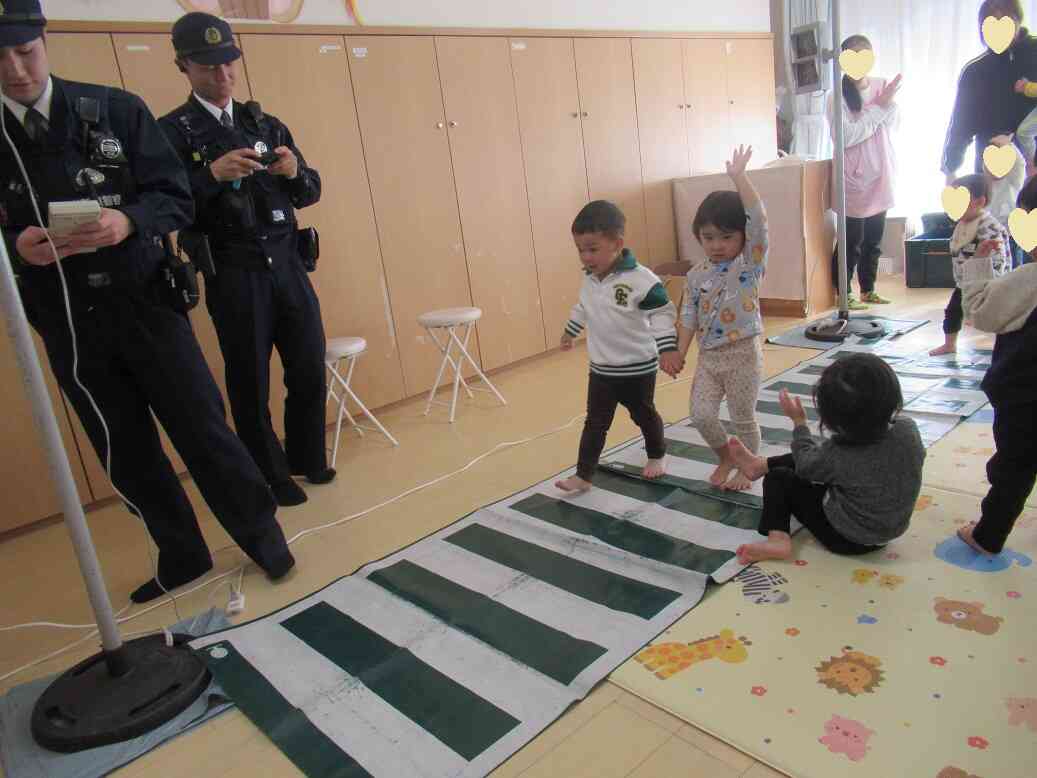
(749, 465)
(654, 468)
(946, 348)
(739, 483)
(573, 485)
(965, 533)
(778, 545)
(719, 476)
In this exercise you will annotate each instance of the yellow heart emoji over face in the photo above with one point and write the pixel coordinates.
(999, 33)
(999, 160)
(956, 201)
(1023, 227)
(857, 64)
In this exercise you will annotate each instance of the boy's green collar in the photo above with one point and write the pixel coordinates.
(626, 261)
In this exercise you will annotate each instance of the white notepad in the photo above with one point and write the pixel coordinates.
(65, 216)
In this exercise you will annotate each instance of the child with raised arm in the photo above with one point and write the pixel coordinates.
(630, 335)
(722, 311)
(856, 490)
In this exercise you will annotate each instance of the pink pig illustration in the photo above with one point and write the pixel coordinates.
(1022, 710)
(846, 736)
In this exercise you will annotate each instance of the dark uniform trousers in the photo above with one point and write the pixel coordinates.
(260, 297)
(254, 311)
(136, 354)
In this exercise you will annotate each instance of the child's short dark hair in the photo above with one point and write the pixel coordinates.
(857, 397)
(600, 216)
(724, 210)
(977, 184)
(1012, 8)
(1028, 196)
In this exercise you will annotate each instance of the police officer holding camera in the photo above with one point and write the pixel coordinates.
(135, 349)
(248, 178)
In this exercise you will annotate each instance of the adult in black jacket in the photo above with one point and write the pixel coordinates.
(260, 295)
(136, 354)
(987, 104)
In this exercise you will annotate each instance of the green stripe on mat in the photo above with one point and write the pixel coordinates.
(963, 383)
(806, 390)
(554, 653)
(769, 434)
(450, 712)
(309, 749)
(774, 409)
(624, 535)
(687, 484)
(592, 583)
(637, 489)
(818, 370)
(693, 451)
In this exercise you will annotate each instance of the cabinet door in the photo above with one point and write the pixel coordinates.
(750, 89)
(605, 70)
(83, 56)
(709, 120)
(483, 126)
(556, 174)
(349, 280)
(403, 126)
(659, 80)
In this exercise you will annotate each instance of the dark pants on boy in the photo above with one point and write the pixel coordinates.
(953, 314)
(785, 495)
(604, 393)
(1012, 472)
(863, 249)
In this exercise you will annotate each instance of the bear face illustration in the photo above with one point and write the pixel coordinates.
(966, 615)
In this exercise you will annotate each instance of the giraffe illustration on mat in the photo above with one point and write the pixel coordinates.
(668, 659)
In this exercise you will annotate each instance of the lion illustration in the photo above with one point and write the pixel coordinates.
(851, 673)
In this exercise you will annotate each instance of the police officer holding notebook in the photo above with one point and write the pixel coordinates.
(134, 345)
(248, 178)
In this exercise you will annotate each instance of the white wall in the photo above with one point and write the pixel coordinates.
(677, 15)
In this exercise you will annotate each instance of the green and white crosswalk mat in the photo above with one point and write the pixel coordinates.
(445, 658)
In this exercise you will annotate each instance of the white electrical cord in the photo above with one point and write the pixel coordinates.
(240, 570)
(75, 349)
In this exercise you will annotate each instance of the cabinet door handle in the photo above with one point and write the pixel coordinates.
(440, 125)
(680, 106)
(585, 114)
(687, 105)
(453, 124)
(576, 114)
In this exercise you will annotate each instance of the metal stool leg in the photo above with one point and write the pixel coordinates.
(439, 375)
(371, 416)
(465, 355)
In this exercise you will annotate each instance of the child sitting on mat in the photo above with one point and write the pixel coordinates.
(630, 324)
(722, 310)
(856, 490)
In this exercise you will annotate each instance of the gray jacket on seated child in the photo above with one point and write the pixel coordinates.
(873, 487)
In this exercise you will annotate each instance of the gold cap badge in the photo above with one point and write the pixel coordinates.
(212, 36)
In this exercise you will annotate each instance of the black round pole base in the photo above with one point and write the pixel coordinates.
(839, 329)
(87, 706)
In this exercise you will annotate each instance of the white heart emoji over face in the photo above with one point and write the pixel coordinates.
(857, 64)
(999, 33)
(1023, 227)
(956, 201)
(999, 160)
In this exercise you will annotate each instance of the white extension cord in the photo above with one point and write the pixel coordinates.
(237, 598)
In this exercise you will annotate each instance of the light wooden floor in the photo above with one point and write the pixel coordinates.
(610, 734)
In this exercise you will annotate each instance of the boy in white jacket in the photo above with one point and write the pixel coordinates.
(631, 327)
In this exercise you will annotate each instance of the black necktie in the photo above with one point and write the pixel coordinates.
(36, 125)
(226, 121)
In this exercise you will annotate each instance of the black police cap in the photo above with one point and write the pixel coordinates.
(204, 38)
(20, 21)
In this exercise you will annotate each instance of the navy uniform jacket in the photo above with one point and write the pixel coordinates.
(249, 220)
(986, 103)
(143, 178)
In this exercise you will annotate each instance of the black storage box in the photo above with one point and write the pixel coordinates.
(928, 262)
(928, 256)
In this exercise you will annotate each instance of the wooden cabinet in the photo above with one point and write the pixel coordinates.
(483, 127)
(403, 125)
(556, 173)
(83, 56)
(349, 279)
(663, 132)
(608, 108)
(708, 118)
(750, 91)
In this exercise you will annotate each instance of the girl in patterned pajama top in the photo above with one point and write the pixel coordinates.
(722, 311)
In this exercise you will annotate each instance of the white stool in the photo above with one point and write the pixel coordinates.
(448, 320)
(348, 349)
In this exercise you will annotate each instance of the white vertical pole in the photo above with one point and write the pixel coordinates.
(837, 161)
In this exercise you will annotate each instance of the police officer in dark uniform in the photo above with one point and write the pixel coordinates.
(136, 352)
(248, 178)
